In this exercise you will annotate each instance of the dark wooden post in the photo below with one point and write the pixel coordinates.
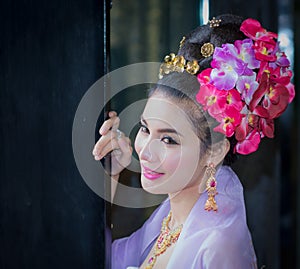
(51, 52)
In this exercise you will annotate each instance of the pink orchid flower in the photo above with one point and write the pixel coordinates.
(248, 86)
(212, 99)
(250, 144)
(229, 119)
(252, 28)
(204, 76)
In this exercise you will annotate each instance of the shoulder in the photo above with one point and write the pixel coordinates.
(227, 249)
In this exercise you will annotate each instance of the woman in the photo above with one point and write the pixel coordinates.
(217, 98)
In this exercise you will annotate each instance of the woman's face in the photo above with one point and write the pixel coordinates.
(168, 148)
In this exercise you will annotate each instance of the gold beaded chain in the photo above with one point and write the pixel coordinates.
(165, 239)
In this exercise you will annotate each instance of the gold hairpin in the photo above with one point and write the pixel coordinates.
(177, 63)
(182, 42)
(214, 22)
(207, 49)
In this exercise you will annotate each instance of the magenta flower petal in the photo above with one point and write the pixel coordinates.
(211, 99)
(242, 130)
(234, 99)
(247, 87)
(251, 27)
(250, 144)
(291, 89)
(229, 119)
(204, 76)
(267, 127)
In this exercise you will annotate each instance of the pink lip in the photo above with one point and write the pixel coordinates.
(150, 174)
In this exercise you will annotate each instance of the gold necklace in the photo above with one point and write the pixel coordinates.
(165, 239)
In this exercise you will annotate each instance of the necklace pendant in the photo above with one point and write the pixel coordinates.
(151, 262)
(166, 238)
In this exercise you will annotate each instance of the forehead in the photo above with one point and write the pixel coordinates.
(162, 110)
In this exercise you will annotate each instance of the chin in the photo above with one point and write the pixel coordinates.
(153, 186)
(161, 186)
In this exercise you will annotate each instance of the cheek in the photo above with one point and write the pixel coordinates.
(171, 161)
(183, 162)
(138, 143)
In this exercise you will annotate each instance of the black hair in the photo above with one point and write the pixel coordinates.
(183, 86)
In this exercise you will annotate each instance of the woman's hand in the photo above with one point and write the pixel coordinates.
(114, 141)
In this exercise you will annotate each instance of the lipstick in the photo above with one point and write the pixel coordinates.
(150, 174)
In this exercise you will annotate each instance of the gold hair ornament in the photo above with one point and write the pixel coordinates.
(214, 22)
(207, 49)
(181, 42)
(177, 63)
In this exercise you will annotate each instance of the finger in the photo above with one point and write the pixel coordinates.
(125, 146)
(111, 123)
(116, 124)
(112, 145)
(112, 114)
(102, 142)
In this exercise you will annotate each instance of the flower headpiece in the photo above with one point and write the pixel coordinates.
(247, 86)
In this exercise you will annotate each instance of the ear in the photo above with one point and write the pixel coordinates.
(219, 151)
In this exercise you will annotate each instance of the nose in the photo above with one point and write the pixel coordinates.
(152, 150)
(146, 152)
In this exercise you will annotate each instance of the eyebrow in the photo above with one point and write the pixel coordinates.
(163, 130)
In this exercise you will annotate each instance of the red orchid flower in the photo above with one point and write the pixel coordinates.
(276, 100)
(228, 119)
(252, 28)
(267, 127)
(278, 76)
(265, 51)
(255, 105)
(248, 123)
(249, 144)
(270, 100)
(291, 89)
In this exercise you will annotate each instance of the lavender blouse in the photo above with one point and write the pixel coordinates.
(209, 240)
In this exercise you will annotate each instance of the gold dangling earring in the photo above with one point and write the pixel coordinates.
(211, 188)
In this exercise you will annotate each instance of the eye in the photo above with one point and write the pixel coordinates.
(169, 140)
(144, 129)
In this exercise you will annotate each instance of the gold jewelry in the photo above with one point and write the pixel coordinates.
(207, 49)
(182, 42)
(211, 188)
(214, 22)
(177, 63)
(165, 239)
